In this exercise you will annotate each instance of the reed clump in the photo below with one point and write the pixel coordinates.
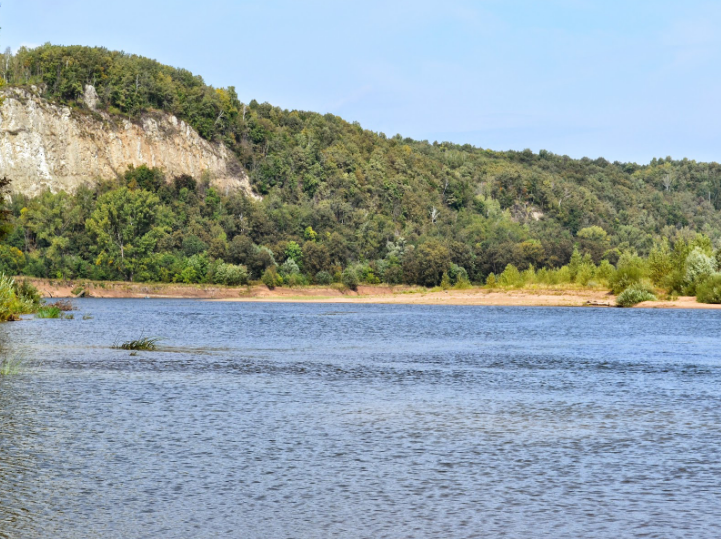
(48, 311)
(10, 365)
(144, 344)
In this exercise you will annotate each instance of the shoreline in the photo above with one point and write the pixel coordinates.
(366, 294)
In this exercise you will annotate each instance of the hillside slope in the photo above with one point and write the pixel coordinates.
(354, 196)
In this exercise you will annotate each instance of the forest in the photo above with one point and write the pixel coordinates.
(348, 205)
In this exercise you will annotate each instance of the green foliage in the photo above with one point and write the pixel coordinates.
(337, 196)
(10, 305)
(350, 279)
(49, 311)
(709, 290)
(510, 277)
(631, 269)
(142, 344)
(271, 279)
(230, 275)
(698, 267)
(288, 268)
(323, 278)
(635, 293)
(294, 252)
(28, 294)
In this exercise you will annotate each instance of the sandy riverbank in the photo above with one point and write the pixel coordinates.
(540, 297)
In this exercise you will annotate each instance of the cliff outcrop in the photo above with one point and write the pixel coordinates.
(47, 146)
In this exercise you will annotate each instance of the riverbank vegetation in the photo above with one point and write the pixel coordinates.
(342, 204)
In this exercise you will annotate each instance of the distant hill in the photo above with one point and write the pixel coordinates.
(365, 189)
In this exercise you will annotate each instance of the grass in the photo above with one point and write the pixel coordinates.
(10, 366)
(48, 311)
(144, 343)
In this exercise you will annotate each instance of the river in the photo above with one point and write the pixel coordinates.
(318, 420)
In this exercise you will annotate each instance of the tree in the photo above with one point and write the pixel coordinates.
(426, 264)
(125, 227)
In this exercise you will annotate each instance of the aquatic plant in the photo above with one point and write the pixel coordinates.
(63, 304)
(10, 365)
(48, 311)
(144, 343)
(636, 293)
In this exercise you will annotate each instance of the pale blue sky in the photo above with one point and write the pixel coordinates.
(626, 80)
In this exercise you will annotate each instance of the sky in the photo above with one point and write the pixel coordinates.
(625, 80)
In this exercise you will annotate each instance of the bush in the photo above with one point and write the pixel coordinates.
(26, 292)
(323, 278)
(709, 291)
(289, 267)
(510, 276)
(698, 267)
(294, 279)
(636, 293)
(271, 279)
(10, 305)
(624, 278)
(350, 279)
(230, 275)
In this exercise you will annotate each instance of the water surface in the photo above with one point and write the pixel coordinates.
(318, 420)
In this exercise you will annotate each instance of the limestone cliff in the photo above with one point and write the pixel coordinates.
(46, 146)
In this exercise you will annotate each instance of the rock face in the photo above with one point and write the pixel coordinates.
(46, 146)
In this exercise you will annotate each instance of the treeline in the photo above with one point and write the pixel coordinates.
(336, 196)
(144, 228)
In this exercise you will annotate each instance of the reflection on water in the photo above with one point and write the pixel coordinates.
(278, 420)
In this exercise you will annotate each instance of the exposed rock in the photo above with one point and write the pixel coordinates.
(90, 97)
(46, 146)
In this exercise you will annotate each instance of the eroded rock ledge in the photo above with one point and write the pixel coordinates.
(46, 146)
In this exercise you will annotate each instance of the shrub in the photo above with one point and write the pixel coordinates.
(445, 282)
(28, 294)
(585, 273)
(491, 281)
(294, 279)
(230, 275)
(10, 305)
(636, 293)
(350, 279)
(462, 284)
(604, 271)
(709, 291)
(323, 278)
(271, 279)
(289, 267)
(698, 267)
(458, 273)
(624, 278)
(510, 276)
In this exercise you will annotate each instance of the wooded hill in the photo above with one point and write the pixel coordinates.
(342, 195)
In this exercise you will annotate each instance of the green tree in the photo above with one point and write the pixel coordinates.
(125, 227)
